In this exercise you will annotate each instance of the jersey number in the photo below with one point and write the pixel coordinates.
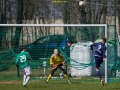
(99, 47)
(22, 58)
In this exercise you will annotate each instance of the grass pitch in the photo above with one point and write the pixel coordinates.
(57, 85)
(10, 81)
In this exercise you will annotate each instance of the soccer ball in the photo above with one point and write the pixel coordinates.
(81, 3)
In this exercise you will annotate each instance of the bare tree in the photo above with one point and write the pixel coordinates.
(46, 12)
(118, 14)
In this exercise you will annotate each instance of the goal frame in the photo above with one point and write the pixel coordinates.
(67, 25)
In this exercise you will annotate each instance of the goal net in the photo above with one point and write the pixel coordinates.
(72, 40)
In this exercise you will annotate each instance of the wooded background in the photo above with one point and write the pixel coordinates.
(48, 12)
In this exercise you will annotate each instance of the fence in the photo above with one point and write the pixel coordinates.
(50, 12)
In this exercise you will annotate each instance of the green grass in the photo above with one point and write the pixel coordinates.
(10, 81)
(57, 85)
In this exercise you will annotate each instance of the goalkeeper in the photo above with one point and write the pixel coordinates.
(23, 61)
(57, 61)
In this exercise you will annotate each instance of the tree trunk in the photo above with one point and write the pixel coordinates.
(19, 21)
(3, 21)
(118, 10)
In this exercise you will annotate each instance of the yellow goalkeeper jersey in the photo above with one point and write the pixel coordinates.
(56, 59)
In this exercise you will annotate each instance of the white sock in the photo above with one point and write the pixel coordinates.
(27, 79)
(24, 78)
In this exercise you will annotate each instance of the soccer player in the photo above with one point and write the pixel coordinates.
(23, 61)
(99, 56)
(57, 61)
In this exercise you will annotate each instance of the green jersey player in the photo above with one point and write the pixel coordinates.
(23, 61)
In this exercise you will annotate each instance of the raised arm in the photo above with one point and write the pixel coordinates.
(92, 45)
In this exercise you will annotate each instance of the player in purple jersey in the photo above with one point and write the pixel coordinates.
(99, 55)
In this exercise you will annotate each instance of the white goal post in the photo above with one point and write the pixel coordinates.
(65, 25)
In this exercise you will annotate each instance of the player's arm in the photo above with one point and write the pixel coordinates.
(29, 57)
(92, 45)
(63, 63)
(17, 61)
(52, 62)
(63, 60)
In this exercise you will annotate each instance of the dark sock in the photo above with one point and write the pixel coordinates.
(99, 75)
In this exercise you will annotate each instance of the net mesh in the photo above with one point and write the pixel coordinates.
(75, 47)
(58, 12)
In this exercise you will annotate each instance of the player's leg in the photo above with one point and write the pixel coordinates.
(24, 78)
(98, 73)
(27, 75)
(61, 67)
(98, 63)
(52, 73)
(100, 76)
(28, 78)
(97, 68)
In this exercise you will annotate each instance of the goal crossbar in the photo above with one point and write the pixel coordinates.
(53, 25)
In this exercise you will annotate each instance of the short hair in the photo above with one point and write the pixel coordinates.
(55, 49)
(58, 51)
(104, 39)
(22, 48)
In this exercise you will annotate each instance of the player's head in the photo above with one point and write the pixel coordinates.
(56, 52)
(103, 40)
(22, 48)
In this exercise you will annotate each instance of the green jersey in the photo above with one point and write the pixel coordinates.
(23, 59)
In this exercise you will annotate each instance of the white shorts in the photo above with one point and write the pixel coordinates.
(27, 70)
